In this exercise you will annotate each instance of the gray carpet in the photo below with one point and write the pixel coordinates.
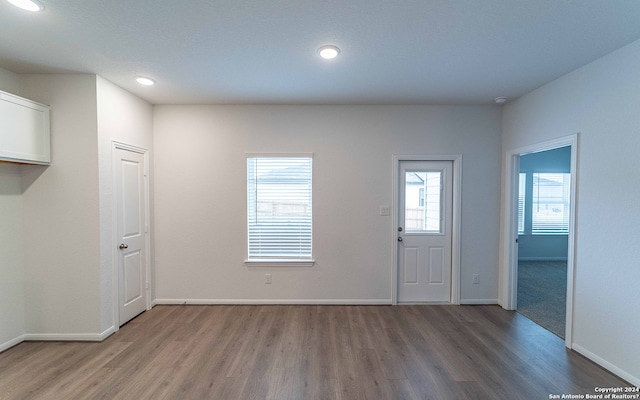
(542, 293)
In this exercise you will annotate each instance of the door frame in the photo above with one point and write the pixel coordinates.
(115, 145)
(455, 223)
(509, 267)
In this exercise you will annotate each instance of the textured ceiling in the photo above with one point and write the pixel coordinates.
(261, 51)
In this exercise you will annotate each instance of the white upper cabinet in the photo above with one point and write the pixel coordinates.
(24, 130)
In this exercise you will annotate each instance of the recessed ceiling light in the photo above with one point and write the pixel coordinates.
(29, 5)
(328, 52)
(145, 81)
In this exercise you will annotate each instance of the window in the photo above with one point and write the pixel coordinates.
(550, 209)
(522, 195)
(279, 210)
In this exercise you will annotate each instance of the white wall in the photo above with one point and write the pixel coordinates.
(9, 82)
(200, 196)
(61, 215)
(55, 236)
(11, 247)
(601, 102)
(125, 118)
(11, 243)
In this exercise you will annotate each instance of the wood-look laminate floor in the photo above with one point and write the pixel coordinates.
(307, 352)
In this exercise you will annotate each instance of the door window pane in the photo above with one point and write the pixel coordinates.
(423, 202)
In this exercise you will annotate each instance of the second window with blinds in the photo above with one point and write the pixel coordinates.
(543, 203)
(279, 210)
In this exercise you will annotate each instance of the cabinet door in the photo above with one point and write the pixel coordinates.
(24, 130)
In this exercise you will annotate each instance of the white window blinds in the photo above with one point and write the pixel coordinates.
(279, 205)
(522, 194)
(550, 210)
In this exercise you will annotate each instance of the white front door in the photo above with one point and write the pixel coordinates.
(130, 200)
(425, 216)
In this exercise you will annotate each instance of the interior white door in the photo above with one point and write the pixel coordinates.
(425, 216)
(130, 199)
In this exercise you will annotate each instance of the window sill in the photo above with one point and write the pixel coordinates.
(279, 263)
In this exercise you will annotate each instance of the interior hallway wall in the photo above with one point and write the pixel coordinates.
(125, 118)
(61, 215)
(600, 101)
(12, 319)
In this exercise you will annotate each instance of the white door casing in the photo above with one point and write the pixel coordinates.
(130, 195)
(509, 265)
(424, 237)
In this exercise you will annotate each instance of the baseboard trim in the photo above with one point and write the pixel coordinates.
(479, 302)
(58, 337)
(62, 337)
(110, 331)
(69, 337)
(272, 302)
(634, 380)
(9, 344)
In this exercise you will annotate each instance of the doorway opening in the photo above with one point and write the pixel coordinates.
(544, 189)
(554, 192)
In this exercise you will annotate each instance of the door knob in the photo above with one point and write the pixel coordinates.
(124, 246)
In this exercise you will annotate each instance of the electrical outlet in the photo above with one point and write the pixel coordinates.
(476, 279)
(267, 279)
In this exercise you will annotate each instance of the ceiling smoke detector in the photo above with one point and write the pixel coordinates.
(500, 100)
